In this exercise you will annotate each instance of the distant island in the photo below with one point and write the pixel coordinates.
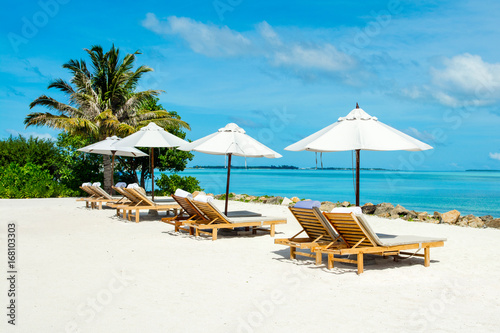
(280, 167)
(482, 170)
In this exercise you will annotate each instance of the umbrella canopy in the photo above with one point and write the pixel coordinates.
(358, 131)
(107, 147)
(230, 140)
(152, 136)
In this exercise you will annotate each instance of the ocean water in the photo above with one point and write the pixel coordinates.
(469, 192)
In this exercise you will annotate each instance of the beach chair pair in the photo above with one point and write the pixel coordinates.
(139, 201)
(97, 196)
(350, 234)
(201, 216)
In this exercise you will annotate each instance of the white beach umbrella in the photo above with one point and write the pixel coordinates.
(358, 131)
(230, 140)
(107, 147)
(152, 136)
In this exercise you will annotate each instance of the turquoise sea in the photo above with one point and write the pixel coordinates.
(470, 192)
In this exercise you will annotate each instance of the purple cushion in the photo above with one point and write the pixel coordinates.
(308, 204)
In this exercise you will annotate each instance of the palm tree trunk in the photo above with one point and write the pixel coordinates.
(107, 173)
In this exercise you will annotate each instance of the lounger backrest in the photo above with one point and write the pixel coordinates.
(101, 192)
(140, 197)
(366, 226)
(211, 212)
(88, 189)
(126, 194)
(188, 206)
(310, 220)
(350, 230)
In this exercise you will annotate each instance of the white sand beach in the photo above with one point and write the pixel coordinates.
(82, 270)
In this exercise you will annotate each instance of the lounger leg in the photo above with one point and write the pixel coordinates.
(292, 252)
(360, 263)
(124, 214)
(214, 234)
(427, 257)
(100, 205)
(197, 232)
(318, 258)
(272, 229)
(137, 216)
(330, 261)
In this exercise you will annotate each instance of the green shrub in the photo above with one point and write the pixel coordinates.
(168, 184)
(29, 181)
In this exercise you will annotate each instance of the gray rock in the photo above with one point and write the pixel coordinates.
(345, 204)
(383, 208)
(493, 223)
(274, 200)
(486, 218)
(327, 206)
(368, 209)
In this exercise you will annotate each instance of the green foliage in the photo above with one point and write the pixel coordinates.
(29, 181)
(59, 159)
(168, 184)
(41, 152)
(77, 167)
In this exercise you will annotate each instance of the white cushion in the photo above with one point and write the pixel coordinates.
(87, 184)
(183, 194)
(356, 210)
(133, 185)
(121, 184)
(203, 198)
(96, 184)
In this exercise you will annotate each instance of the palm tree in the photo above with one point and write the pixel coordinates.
(102, 101)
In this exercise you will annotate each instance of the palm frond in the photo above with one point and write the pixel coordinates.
(52, 104)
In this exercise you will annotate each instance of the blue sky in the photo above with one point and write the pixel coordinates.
(282, 70)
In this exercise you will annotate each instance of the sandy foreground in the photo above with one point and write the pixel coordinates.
(82, 270)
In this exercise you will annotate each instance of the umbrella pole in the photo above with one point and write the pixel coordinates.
(227, 182)
(152, 174)
(112, 172)
(357, 176)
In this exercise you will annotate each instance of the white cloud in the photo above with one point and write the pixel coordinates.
(468, 74)
(466, 80)
(206, 39)
(301, 57)
(495, 156)
(28, 134)
(268, 33)
(325, 57)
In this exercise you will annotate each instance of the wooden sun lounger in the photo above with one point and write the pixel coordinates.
(220, 221)
(359, 238)
(190, 212)
(140, 202)
(317, 235)
(101, 197)
(91, 193)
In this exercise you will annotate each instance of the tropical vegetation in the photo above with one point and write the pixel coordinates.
(103, 101)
